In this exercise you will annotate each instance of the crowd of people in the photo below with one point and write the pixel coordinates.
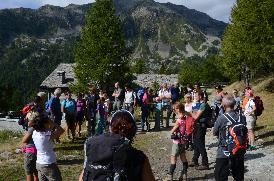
(111, 121)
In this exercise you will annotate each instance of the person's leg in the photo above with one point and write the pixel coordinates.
(173, 160)
(157, 119)
(237, 168)
(119, 103)
(196, 152)
(143, 117)
(202, 148)
(221, 171)
(169, 112)
(183, 174)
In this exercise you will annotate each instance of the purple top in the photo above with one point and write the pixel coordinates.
(101, 110)
(80, 105)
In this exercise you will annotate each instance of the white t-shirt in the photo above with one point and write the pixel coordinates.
(44, 146)
(129, 97)
(248, 107)
(188, 107)
(165, 93)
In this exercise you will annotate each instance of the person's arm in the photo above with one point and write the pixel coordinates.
(57, 132)
(26, 138)
(176, 126)
(216, 127)
(81, 175)
(198, 114)
(147, 174)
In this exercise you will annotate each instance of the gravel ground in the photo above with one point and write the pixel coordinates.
(259, 164)
(10, 124)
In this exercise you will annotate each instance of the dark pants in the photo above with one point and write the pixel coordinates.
(91, 122)
(199, 145)
(145, 112)
(224, 164)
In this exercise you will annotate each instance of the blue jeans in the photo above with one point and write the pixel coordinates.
(101, 126)
(159, 114)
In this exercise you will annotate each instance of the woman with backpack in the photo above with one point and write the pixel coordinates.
(249, 113)
(178, 147)
(110, 156)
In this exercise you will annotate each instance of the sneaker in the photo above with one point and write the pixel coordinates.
(203, 167)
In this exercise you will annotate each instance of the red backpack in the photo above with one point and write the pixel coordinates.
(259, 106)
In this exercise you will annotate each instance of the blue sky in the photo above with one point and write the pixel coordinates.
(217, 9)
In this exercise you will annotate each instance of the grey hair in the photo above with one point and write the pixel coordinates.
(41, 94)
(228, 101)
(58, 91)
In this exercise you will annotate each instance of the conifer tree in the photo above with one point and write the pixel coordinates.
(101, 54)
(248, 40)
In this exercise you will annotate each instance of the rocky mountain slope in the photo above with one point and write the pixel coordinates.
(156, 32)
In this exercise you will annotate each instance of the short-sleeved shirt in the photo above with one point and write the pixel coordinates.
(206, 110)
(248, 107)
(165, 93)
(44, 146)
(129, 97)
(69, 105)
(196, 106)
(80, 105)
(182, 128)
(188, 107)
(30, 142)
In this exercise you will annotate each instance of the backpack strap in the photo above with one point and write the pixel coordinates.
(229, 118)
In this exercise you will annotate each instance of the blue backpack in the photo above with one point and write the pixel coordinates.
(47, 105)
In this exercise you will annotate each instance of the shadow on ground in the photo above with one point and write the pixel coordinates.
(250, 156)
(70, 162)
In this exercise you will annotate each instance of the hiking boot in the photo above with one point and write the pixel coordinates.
(203, 167)
(193, 164)
(183, 177)
(169, 177)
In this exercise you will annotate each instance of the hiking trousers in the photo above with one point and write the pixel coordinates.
(199, 145)
(223, 165)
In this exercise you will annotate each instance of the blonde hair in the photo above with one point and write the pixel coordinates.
(57, 91)
(32, 116)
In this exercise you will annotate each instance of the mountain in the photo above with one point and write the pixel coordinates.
(34, 41)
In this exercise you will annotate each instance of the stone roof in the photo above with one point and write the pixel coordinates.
(144, 80)
(54, 80)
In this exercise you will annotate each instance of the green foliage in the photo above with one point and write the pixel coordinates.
(101, 54)
(140, 67)
(196, 69)
(7, 136)
(248, 40)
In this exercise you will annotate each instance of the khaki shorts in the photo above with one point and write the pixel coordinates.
(177, 149)
(250, 122)
(30, 163)
(49, 172)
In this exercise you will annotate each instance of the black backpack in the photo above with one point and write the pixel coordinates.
(236, 135)
(110, 158)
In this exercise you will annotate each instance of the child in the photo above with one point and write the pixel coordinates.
(178, 146)
(189, 122)
(43, 136)
(80, 112)
(30, 152)
(107, 105)
(100, 116)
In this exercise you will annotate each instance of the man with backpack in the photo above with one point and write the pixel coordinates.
(232, 135)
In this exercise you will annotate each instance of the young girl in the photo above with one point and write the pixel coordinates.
(43, 136)
(178, 146)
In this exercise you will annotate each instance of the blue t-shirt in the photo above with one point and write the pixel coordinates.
(196, 106)
(69, 105)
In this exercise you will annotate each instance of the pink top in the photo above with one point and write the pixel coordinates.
(181, 129)
(145, 99)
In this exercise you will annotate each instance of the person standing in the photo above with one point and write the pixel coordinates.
(69, 108)
(249, 113)
(91, 103)
(80, 112)
(118, 97)
(130, 101)
(201, 117)
(165, 98)
(45, 131)
(55, 107)
(178, 146)
(224, 162)
(146, 101)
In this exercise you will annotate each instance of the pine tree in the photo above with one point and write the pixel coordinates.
(248, 40)
(101, 53)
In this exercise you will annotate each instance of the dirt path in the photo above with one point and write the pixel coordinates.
(259, 164)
